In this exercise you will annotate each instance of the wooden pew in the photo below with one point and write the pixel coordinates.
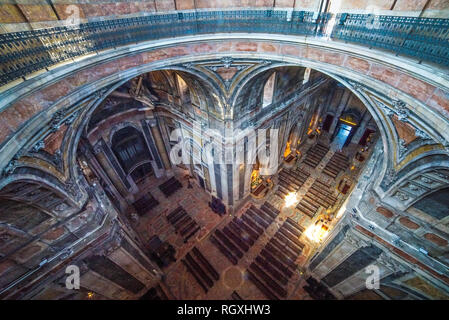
(178, 216)
(280, 256)
(275, 262)
(283, 247)
(199, 270)
(293, 246)
(206, 263)
(293, 223)
(268, 280)
(258, 219)
(297, 233)
(253, 234)
(191, 233)
(263, 288)
(269, 212)
(241, 233)
(187, 228)
(195, 275)
(235, 296)
(174, 212)
(239, 242)
(252, 224)
(223, 250)
(263, 214)
(236, 251)
(270, 269)
(272, 208)
(291, 237)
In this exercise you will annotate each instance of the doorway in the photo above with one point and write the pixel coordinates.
(343, 133)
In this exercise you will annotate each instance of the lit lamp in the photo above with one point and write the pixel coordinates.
(290, 199)
(317, 232)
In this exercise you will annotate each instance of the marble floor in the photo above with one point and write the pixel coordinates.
(178, 283)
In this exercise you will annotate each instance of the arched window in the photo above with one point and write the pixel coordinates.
(130, 148)
(268, 90)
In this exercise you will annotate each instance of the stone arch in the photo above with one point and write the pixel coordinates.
(327, 63)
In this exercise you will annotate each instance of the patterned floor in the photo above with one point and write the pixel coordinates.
(181, 284)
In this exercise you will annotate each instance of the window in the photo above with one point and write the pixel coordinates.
(268, 90)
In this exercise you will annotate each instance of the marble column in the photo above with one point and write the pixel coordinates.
(113, 170)
(100, 171)
(345, 99)
(160, 143)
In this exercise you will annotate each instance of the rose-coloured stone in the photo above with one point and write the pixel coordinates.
(130, 62)
(415, 87)
(385, 74)
(185, 4)
(152, 56)
(55, 91)
(54, 234)
(177, 51)
(53, 141)
(268, 47)
(436, 239)
(440, 101)
(122, 8)
(285, 3)
(10, 13)
(246, 46)
(224, 46)
(408, 223)
(405, 131)
(291, 50)
(203, 48)
(357, 64)
(38, 12)
(385, 212)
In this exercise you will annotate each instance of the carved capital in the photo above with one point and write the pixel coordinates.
(356, 240)
(390, 263)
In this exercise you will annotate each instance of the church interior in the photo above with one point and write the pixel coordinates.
(224, 150)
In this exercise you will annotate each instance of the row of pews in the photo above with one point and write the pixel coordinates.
(201, 269)
(290, 181)
(276, 263)
(239, 235)
(145, 204)
(339, 162)
(183, 223)
(170, 186)
(315, 154)
(319, 195)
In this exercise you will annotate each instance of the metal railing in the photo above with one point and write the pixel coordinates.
(23, 53)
